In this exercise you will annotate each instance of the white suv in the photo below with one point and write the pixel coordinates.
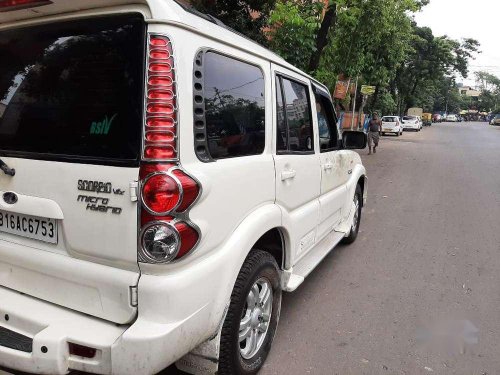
(164, 180)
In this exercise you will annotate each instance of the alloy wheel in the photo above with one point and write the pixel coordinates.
(255, 319)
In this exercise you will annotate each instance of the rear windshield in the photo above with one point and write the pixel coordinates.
(73, 90)
(409, 118)
(389, 119)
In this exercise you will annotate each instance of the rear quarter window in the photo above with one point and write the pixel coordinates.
(73, 90)
(234, 107)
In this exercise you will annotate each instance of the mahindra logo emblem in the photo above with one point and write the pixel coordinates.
(10, 198)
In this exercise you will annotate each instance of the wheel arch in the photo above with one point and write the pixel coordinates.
(274, 242)
(363, 183)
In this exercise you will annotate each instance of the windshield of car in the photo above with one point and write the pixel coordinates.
(73, 89)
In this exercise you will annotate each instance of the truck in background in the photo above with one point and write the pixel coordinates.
(416, 112)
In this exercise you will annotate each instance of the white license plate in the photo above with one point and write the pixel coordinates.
(37, 228)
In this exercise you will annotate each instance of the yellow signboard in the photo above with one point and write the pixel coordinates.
(367, 90)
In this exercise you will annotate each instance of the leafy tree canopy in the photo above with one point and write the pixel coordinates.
(376, 41)
(248, 17)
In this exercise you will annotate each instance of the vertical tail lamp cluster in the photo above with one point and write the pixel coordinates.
(160, 140)
(167, 191)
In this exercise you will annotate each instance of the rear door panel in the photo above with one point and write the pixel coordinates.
(71, 98)
(96, 262)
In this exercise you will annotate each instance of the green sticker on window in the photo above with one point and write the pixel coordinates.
(102, 127)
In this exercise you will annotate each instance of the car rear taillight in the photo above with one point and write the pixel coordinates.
(167, 191)
(160, 193)
(11, 5)
(160, 141)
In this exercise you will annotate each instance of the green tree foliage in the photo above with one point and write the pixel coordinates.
(376, 41)
(489, 85)
(429, 67)
(366, 38)
(292, 30)
(248, 17)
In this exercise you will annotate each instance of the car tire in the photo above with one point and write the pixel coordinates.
(358, 202)
(397, 134)
(258, 275)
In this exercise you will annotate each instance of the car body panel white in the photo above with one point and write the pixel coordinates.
(85, 237)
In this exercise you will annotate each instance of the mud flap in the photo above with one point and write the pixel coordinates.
(204, 359)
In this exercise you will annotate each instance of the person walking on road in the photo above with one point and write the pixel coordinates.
(374, 129)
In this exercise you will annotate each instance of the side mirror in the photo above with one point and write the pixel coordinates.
(354, 140)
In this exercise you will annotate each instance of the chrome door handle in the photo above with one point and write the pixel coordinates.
(328, 166)
(288, 175)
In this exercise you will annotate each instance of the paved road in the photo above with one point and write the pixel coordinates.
(424, 269)
(419, 292)
(407, 297)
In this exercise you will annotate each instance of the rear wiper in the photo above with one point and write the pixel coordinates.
(5, 168)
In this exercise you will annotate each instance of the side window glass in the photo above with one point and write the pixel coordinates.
(282, 131)
(327, 124)
(234, 107)
(298, 116)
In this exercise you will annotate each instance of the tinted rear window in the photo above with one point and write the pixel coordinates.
(409, 118)
(389, 119)
(73, 90)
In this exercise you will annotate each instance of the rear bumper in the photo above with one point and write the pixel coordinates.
(179, 307)
(144, 347)
(51, 328)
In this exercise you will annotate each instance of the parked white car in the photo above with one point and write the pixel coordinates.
(451, 118)
(411, 123)
(392, 124)
(163, 181)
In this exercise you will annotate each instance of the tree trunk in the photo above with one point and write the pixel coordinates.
(415, 85)
(329, 20)
(375, 98)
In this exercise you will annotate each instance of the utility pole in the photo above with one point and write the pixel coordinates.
(361, 110)
(354, 104)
